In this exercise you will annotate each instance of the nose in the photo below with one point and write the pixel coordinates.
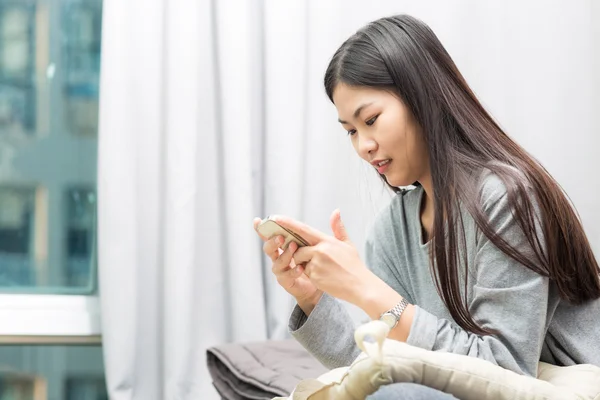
(366, 146)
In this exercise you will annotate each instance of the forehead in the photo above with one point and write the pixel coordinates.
(348, 98)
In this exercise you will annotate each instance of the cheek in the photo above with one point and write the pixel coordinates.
(391, 132)
(354, 142)
(398, 144)
(401, 148)
(414, 151)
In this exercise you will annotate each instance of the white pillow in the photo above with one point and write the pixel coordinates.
(385, 361)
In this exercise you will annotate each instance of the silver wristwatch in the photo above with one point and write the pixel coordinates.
(391, 317)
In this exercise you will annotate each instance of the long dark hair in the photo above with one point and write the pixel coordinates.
(402, 54)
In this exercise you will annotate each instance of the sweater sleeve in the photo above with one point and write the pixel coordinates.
(327, 333)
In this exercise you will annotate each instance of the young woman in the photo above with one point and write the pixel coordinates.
(484, 257)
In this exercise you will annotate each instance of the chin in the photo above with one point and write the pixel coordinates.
(397, 181)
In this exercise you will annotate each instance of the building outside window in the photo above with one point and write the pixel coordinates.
(50, 338)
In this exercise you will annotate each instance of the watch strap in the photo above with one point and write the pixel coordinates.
(397, 311)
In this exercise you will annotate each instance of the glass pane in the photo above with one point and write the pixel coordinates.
(49, 79)
(81, 229)
(81, 27)
(52, 372)
(17, 67)
(17, 250)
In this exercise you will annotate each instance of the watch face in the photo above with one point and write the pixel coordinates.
(389, 319)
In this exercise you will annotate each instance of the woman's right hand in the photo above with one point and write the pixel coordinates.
(291, 277)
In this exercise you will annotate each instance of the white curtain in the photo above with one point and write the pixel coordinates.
(213, 112)
(180, 263)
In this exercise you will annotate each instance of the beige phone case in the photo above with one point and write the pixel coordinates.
(269, 228)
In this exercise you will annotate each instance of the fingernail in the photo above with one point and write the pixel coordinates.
(292, 246)
(279, 240)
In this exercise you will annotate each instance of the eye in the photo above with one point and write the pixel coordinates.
(351, 132)
(372, 120)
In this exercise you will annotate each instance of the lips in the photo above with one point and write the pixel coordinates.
(379, 162)
(382, 165)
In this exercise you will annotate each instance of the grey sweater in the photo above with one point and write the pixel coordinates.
(532, 321)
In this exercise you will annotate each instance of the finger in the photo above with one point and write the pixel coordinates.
(304, 255)
(271, 247)
(337, 227)
(257, 222)
(308, 269)
(287, 278)
(308, 233)
(293, 273)
(284, 261)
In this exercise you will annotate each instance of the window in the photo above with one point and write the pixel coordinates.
(50, 343)
(81, 22)
(86, 388)
(17, 90)
(52, 372)
(18, 386)
(50, 67)
(18, 247)
(81, 232)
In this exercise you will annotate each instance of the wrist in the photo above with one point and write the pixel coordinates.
(308, 304)
(377, 298)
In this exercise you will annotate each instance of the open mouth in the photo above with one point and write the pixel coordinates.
(383, 166)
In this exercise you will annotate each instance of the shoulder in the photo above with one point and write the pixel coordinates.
(495, 190)
(509, 204)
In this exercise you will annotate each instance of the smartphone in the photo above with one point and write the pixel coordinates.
(269, 228)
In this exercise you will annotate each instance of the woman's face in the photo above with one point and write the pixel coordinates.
(382, 129)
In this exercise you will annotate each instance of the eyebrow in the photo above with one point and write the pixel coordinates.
(357, 112)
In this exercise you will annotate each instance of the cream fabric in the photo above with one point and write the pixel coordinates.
(385, 361)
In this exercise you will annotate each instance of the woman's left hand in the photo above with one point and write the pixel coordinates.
(331, 262)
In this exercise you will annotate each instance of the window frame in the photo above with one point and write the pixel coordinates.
(49, 319)
(45, 314)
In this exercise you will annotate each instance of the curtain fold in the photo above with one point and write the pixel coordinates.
(181, 266)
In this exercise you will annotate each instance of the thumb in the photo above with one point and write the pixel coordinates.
(338, 228)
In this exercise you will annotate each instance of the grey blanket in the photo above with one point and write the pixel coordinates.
(260, 370)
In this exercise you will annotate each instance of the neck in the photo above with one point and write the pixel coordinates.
(427, 209)
(427, 184)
